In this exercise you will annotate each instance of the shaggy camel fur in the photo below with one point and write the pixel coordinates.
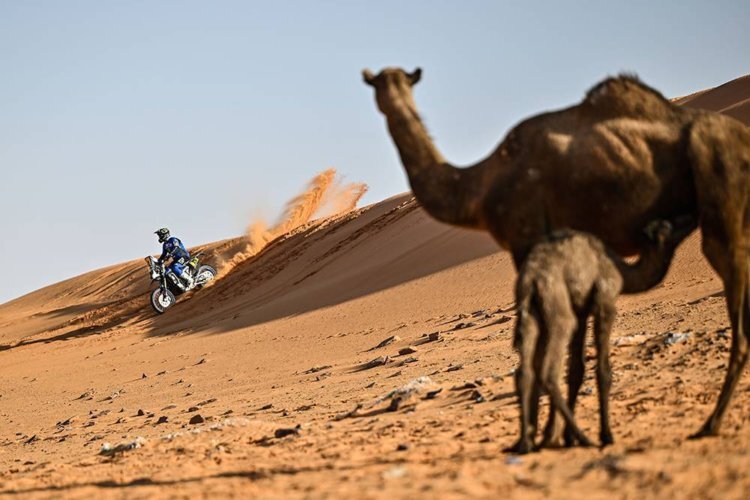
(565, 279)
(623, 157)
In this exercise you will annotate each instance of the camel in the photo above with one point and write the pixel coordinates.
(566, 278)
(621, 158)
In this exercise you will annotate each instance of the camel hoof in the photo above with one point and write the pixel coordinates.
(520, 447)
(706, 431)
(606, 440)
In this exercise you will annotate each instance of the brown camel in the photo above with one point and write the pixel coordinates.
(621, 158)
(566, 278)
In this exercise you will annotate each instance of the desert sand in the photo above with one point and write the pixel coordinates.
(366, 355)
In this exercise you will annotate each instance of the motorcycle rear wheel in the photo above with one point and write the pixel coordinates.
(205, 274)
(161, 300)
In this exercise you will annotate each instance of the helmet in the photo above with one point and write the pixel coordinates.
(163, 234)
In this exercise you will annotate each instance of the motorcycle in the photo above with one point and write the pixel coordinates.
(171, 286)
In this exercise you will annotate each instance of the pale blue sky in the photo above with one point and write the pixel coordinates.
(119, 117)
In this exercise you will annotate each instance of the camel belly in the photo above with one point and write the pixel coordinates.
(611, 180)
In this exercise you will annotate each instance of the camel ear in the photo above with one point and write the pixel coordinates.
(368, 77)
(415, 76)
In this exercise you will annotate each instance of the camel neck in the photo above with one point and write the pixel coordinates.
(445, 192)
(417, 151)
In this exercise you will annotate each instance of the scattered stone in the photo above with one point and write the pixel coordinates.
(467, 385)
(402, 447)
(433, 394)
(65, 422)
(265, 407)
(89, 423)
(676, 338)
(305, 407)
(207, 402)
(406, 350)
(144, 376)
(140, 413)
(433, 337)
(316, 369)
(410, 360)
(461, 326)
(629, 340)
(108, 450)
(395, 472)
(513, 460)
(86, 395)
(161, 373)
(370, 385)
(196, 419)
(454, 368)
(349, 414)
(389, 340)
(283, 432)
(169, 407)
(202, 360)
(162, 420)
(31, 439)
(382, 360)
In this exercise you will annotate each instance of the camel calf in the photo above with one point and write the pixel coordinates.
(566, 278)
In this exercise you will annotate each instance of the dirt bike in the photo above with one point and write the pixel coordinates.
(171, 286)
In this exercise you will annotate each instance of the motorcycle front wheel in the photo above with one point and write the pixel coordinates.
(162, 299)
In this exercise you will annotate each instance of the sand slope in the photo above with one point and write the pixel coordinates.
(285, 340)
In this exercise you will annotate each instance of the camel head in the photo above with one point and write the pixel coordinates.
(393, 88)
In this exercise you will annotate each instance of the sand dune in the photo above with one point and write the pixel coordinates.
(284, 340)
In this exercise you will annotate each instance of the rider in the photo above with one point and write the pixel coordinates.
(173, 248)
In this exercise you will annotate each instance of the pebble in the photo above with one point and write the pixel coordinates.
(196, 419)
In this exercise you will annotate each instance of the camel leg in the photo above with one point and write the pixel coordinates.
(722, 185)
(739, 316)
(576, 370)
(550, 376)
(560, 323)
(604, 318)
(527, 335)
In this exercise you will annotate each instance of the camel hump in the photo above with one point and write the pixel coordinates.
(626, 95)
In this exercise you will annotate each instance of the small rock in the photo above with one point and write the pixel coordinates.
(196, 419)
(140, 413)
(316, 369)
(389, 340)
(402, 447)
(406, 350)
(162, 420)
(207, 402)
(433, 394)
(513, 460)
(264, 407)
(454, 368)
(202, 360)
(676, 338)
(376, 362)
(461, 326)
(169, 407)
(280, 433)
(192, 409)
(144, 375)
(433, 337)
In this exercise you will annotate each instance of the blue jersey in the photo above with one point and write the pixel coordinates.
(174, 248)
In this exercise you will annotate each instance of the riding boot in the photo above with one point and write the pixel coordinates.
(187, 278)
